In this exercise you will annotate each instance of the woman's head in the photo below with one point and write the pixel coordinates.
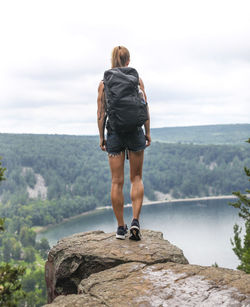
(120, 57)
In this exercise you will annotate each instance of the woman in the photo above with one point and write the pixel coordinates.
(116, 144)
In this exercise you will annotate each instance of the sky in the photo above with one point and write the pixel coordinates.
(192, 55)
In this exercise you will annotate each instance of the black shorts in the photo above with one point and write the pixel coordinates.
(117, 143)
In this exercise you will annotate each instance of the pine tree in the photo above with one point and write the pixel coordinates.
(2, 170)
(242, 249)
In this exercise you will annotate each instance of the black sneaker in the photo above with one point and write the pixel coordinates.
(135, 233)
(121, 232)
(126, 230)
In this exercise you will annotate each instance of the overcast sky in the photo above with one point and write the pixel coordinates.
(193, 56)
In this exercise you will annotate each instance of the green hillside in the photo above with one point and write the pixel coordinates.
(213, 134)
(51, 177)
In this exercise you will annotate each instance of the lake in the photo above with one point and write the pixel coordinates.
(202, 229)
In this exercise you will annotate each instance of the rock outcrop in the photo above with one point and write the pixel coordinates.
(95, 269)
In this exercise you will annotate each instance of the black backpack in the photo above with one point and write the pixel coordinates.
(125, 108)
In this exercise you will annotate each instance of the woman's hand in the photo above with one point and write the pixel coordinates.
(148, 139)
(103, 144)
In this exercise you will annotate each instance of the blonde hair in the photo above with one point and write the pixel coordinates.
(120, 57)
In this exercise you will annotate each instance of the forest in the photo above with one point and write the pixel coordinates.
(22, 260)
(77, 178)
(52, 177)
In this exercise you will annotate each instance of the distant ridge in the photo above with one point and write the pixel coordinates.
(209, 134)
(227, 134)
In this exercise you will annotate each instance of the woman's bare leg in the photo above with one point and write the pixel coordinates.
(116, 164)
(137, 188)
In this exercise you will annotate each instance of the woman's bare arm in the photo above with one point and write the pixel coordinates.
(147, 123)
(101, 115)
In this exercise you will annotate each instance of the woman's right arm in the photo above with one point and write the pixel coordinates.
(101, 115)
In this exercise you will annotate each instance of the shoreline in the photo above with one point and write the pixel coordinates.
(40, 229)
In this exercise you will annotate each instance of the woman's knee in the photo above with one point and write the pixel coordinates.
(119, 181)
(135, 178)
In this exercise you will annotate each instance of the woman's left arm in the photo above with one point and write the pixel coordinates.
(147, 123)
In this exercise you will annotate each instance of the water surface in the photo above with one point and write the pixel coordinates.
(202, 229)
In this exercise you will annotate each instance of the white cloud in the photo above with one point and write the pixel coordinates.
(194, 58)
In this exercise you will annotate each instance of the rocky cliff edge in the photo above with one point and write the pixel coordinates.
(96, 269)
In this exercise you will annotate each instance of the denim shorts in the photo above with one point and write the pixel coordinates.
(117, 143)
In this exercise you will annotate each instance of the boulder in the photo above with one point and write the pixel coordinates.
(95, 269)
(162, 284)
(76, 257)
